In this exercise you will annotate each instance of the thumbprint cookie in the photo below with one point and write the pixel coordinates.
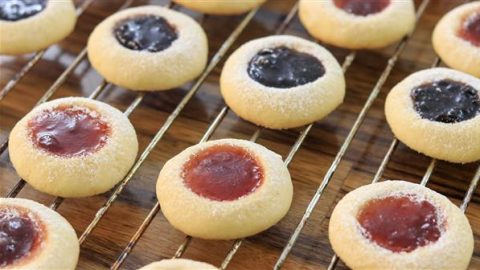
(224, 189)
(436, 112)
(400, 225)
(221, 7)
(31, 25)
(73, 147)
(178, 264)
(32, 236)
(148, 48)
(358, 24)
(282, 82)
(456, 38)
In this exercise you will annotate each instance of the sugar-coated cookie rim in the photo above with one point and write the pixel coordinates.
(38, 31)
(60, 248)
(181, 62)
(221, 7)
(452, 49)
(180, 264)
(452, 250)
(299, 103)
(347, 30)
(454, 142)
(92, 171)
(201, 217)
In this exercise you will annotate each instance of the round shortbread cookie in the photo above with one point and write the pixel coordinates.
(73, 147)
(148, 48)
(33, 25)
(224, 189)
(282, 82)
(400, 225)
(354, 24)
(35, 237)
(457, 47)
(436, 112)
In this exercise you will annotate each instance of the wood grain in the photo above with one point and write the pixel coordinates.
(310, 164)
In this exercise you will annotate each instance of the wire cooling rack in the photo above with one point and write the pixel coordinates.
(214, 62)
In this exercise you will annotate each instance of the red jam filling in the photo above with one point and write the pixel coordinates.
(223, 173)
(362, 7)
(69, 131)
(400, 224)
(470, 30)
(20, 235)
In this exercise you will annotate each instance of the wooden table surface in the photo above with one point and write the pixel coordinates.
(308, 168)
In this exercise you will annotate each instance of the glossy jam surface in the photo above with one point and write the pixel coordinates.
(446, 101)
(362, 7)
(20, 234)
(69, 131)
(14, 10)
(282, 67)
(223, 173)
(400, 223)
(470, 30)
(146, 33)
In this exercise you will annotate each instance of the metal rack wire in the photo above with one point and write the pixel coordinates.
(211, 129)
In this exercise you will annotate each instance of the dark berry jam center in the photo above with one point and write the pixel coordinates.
(400, 223)
(223, 173)
(69, 131)
(146, 33)
(20, 234)
(446, 101)
(282, 67)
(470, 30)
(14, 10)
(362, 7)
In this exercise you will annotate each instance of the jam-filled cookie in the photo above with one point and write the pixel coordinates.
(31, 25)
(224, 189)
(32, 236)
(358, 24)
(456, 38)
(221, 7)
(400, 225)
(178, 264)
(282, 82)
(436, 112)
(73, 147)
(148, 48)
